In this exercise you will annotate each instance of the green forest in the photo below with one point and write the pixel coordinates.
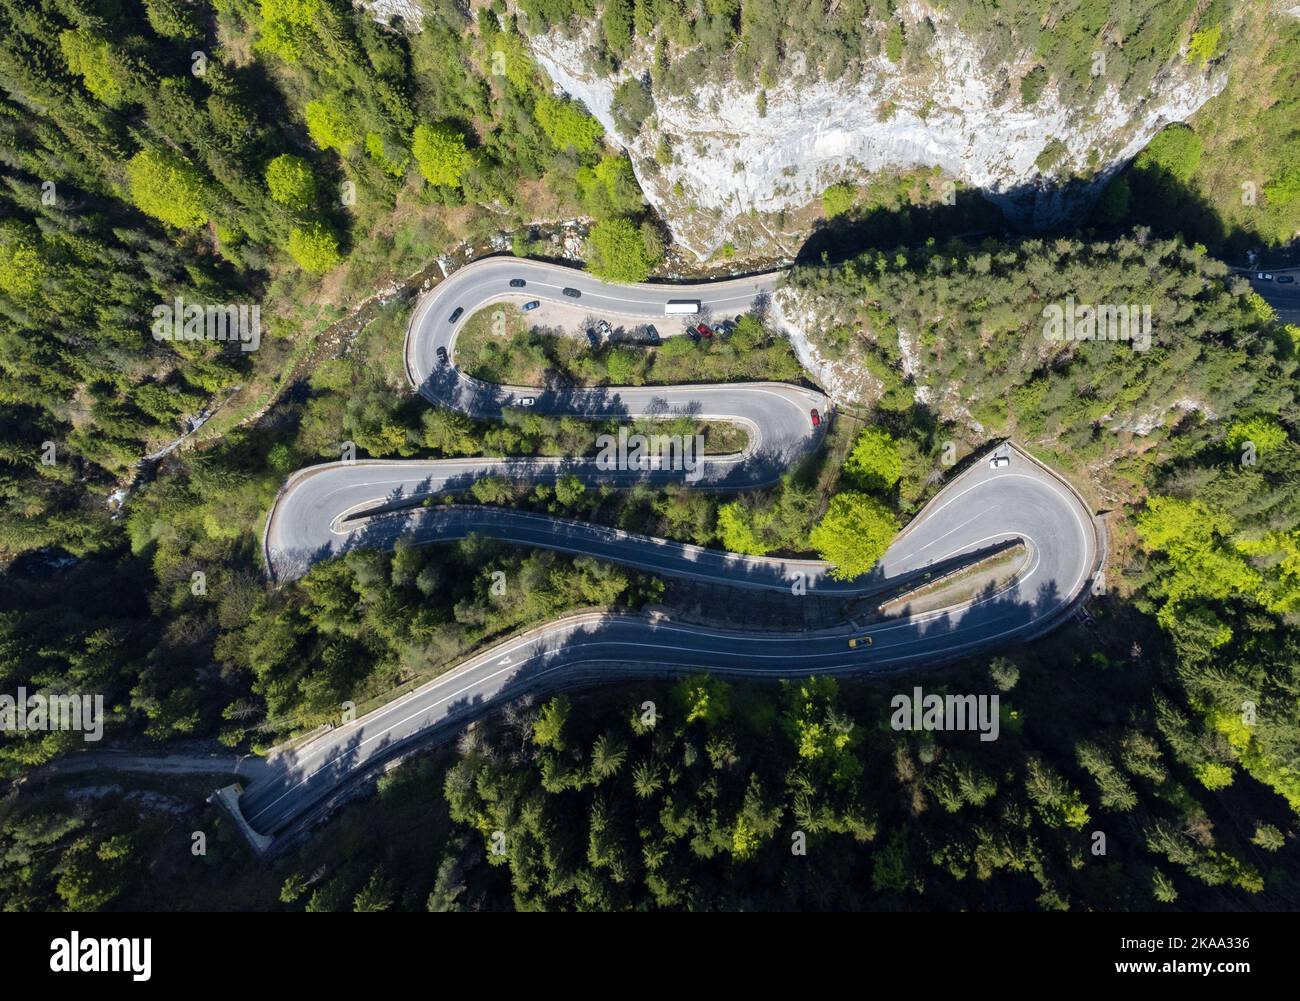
(299, 155)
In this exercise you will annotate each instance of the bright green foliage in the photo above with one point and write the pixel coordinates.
(617, 252)
(824, 735)
(291, 182)
(1204, 45)
(22, 264)
(1202, 563)
(1175, 151)
(704, 699)
(1285, 188)
(330, 125)
(874, 463)
(287, 27)
(548, 728)
(1213, 775)
(853, 534)
(1264, 433)
(837, 199)
(315, 247)
(440, 151)
(166, 186)
(610, 188)
(91, 59)
(567, 124)
(744, 840)
(736, 531)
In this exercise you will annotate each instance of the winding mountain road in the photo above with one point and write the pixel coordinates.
(326, 510)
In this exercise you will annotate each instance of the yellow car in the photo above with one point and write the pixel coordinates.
(858, 641)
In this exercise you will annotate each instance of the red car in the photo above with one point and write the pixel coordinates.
(817, 419)
(704, 331)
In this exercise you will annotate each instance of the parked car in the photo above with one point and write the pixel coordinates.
(606, 331)
(651, 333)
(532, 305)
(517, 283)
(816, 418)
(572, 293)
(998, 461)
(442, 355)
(857, 641)
(526, 401)
(456, 314)
(692, 333)
(719, 329)
(1263, 276)
(593, 337)
(704, 330)
(1286, 279)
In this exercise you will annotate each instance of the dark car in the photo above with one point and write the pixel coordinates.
(517, 283)
(1286, 279)
(442, 355)
(816, 418)
(692, 333)
(456, 314)
(572, 293)
(532, 305)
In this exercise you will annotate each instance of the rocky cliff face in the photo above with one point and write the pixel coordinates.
(732, 160)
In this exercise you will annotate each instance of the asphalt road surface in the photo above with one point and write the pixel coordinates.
(321, 510)
(1282, 296)
(326, 510)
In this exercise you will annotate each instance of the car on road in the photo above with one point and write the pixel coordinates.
(532, 305)
(526, 401)
(998, 461)
(442, 355)
(1286, 279)
(703, 330)
(1263, 276)
(857, 641)
(456, 314)
(572, 293)
(816, 418)
(517, 283)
